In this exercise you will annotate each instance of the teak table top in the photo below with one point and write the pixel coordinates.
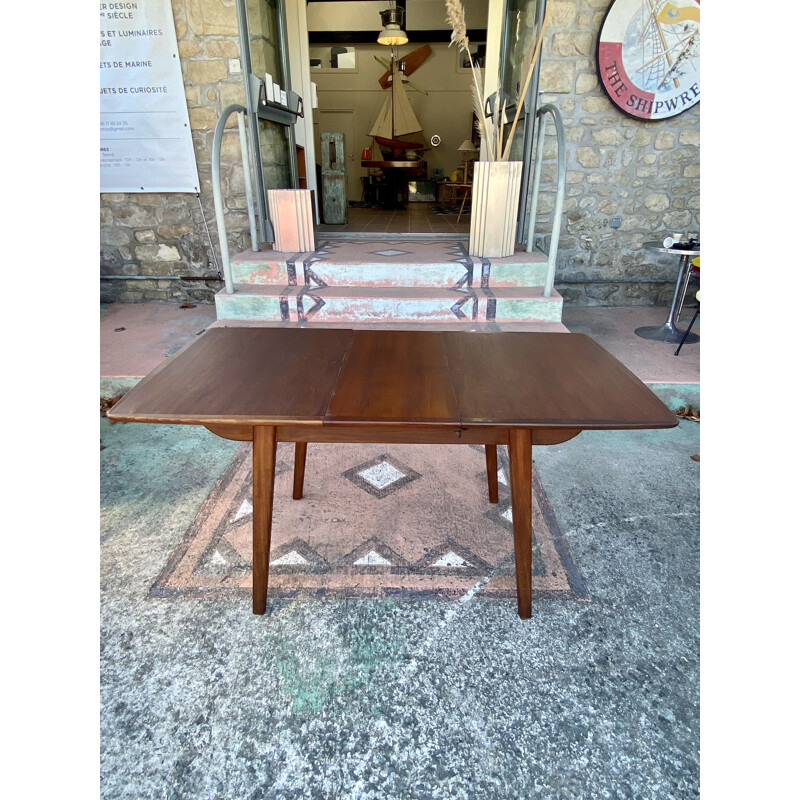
(334, 377)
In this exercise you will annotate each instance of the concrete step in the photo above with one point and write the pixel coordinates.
(524, 325)
(387, 304)
(431, 263)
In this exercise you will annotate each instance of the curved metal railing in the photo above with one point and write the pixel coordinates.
(219, 207)
(561, 179)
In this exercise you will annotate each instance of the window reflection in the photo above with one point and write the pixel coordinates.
(336, 56)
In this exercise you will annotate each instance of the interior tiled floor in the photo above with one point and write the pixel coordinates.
(417, 218)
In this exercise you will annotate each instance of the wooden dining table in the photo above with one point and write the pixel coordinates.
(315, 385)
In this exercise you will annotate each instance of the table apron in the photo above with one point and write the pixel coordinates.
(396, 434)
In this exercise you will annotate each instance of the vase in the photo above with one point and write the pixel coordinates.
(495, 200)
(292, 219)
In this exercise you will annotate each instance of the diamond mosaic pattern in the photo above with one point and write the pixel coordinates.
(452, 559)
(381, 529)
(372, 559)
(381, 476)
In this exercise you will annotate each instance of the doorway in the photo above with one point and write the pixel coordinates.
(333, 60)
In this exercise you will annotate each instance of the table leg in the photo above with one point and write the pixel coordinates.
(520, 456)
(463, 201)
(395, 203)
(299, 469)
(491, 471)
(265, 442)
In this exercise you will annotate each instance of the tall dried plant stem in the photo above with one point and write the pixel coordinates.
(488, 136)
(521, 100)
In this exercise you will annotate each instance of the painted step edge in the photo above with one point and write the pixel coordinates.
(443, 275)
(388, 306)
(267, 267)
(454, 325)
(501, 292)
(520, 256)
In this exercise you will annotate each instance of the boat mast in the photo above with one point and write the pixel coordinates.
(394, 76)
(663, 41)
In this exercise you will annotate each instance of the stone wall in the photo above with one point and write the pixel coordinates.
(647, 173)
(164, 234)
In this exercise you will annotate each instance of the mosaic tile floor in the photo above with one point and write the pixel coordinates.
(375, 521)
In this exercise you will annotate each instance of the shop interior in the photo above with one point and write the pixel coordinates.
(395, 126)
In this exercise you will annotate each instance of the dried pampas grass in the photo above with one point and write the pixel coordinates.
(456, 18)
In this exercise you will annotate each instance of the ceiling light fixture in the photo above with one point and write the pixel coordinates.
(392, 20)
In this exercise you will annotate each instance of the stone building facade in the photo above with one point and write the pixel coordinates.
(164, 247)
(168, 241)
(646, 173)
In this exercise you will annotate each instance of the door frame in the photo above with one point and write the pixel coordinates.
(266, 230)
(294, 54)
(299, 70)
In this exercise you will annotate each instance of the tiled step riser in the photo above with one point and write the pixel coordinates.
(315, 307)
(260, 273)
(445, 276)
(398, 280)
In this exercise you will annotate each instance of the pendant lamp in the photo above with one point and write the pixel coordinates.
(392, 20)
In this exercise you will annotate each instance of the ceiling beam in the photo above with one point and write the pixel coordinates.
(476, 35)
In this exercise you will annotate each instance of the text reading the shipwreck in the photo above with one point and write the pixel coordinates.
(647, 106)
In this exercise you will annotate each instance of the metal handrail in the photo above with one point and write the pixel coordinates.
(217, 190)
(549, 108)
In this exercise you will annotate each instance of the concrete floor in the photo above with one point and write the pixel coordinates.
(400, 698)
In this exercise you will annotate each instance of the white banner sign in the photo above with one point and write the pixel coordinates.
(145, 139)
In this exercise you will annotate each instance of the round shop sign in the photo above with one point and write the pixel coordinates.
(648, 56)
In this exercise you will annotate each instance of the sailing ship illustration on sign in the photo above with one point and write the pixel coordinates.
(648, 56)
(396, 117)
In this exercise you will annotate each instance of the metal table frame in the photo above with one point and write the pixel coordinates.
(669, 331)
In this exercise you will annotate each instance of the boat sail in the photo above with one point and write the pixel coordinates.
(396, 117)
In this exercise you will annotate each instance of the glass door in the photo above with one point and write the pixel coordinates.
(262, 33)
(521, 25)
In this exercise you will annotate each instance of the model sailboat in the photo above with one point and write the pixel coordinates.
(396, 118)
